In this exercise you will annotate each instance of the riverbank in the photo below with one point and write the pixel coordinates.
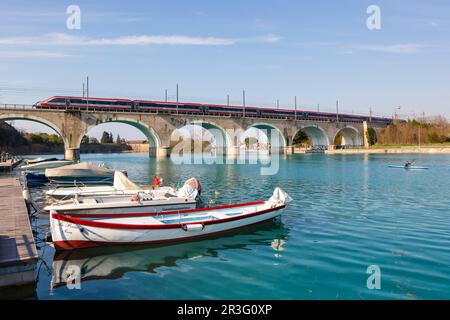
(394, 150)
(41, 149)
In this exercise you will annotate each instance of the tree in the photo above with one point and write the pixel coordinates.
(54, 139)
(85, 140)
(36, 138)
(118, 140)
(371, 136)
(93, 140)
(300, 137)
(105, 137)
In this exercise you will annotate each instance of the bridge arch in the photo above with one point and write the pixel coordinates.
(268, 129)
(348, 136)
(223, 138)
(51, 125)
(317, 135)
(151, 135)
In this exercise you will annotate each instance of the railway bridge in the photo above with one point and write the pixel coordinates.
(159, 128)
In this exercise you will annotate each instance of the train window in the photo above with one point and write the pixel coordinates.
(77, 101)
(58, 100)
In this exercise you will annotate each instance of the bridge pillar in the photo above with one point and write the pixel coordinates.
(232, 152)
(162, 152)
(331, 147)
(72, 154)
(365, 134)
(289, 150)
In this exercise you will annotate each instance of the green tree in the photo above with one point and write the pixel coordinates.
(434, 137)
(300, 137)
(371, 136)
(54, 139)
(105, 137)
(93, 140)
(85, 139)
(36, 138)
(118, 140)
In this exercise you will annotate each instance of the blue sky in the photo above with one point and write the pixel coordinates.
(320, 51)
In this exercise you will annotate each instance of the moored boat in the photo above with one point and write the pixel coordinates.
(122, 186)
(70, 231)
(35, 179)
(134, 200)
(80, 173)
(40, 165)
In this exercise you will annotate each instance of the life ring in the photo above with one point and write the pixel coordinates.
(134, 198)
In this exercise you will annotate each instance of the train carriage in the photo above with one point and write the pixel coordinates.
(127, 105)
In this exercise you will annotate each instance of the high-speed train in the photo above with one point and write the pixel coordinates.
(127, 105)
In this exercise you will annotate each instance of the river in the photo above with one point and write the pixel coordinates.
(349, 212)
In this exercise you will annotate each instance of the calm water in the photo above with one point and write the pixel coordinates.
(349, 212)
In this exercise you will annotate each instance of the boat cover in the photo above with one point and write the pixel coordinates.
(38, 160)
(82, 169)
(121, 182)
(191, 189)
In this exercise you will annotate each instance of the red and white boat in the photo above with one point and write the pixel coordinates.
(71, 231)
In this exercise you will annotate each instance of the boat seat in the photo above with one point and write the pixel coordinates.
(90, 201)
(219, 215)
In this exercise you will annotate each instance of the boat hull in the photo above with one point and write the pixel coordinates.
(83, 180)
(409, 168)
(128, 210)
(70, 233)
(41, 166)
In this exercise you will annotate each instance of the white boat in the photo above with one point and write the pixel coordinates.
(122, 187)
(80, 173)
(138, 201)
(37, 160)
(70, 232)
(44, 164)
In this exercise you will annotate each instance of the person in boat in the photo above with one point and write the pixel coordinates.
(408, 164)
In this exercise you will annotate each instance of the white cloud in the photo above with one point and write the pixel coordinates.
(35, 54)
(392, 48)
(67, 39)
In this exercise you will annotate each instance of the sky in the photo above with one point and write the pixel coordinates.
(320, 51)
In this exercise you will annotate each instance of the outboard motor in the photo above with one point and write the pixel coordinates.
(191, 189)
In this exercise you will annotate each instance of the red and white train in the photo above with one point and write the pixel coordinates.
(127, 105)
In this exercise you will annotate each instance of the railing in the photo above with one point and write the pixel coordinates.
(9, 106)
(349, 146)
(319, 147)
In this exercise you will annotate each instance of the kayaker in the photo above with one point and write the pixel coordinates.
(408, 164)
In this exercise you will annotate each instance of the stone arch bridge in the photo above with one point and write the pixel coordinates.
(72, 125)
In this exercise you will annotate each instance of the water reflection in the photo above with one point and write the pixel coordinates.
(114, 262)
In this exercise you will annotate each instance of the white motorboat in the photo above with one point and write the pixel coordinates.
(42, 164)
(72, 231)
(122, 187)
(80, 174)
(132, 200)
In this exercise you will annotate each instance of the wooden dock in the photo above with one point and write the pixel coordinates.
(9, 165)
(18, 253)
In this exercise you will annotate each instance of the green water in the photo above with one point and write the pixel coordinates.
(349, 212)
